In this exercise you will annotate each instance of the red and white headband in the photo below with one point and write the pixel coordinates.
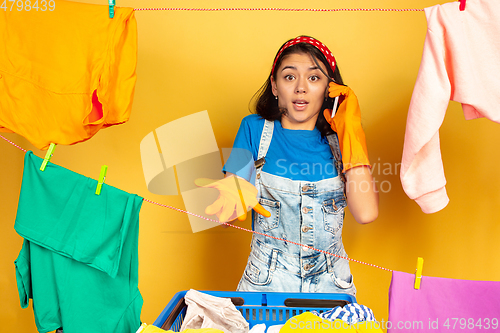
(309, 40)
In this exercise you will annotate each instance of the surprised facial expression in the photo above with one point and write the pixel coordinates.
(301, 88)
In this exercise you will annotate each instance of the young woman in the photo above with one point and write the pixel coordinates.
(302, 189)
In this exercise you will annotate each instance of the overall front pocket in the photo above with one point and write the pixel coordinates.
(258, 272)
(272, 222)
(333, 215)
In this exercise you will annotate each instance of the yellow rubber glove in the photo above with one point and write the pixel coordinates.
(347, 124)
(236, 196)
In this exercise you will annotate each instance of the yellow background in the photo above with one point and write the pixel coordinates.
(194, 61)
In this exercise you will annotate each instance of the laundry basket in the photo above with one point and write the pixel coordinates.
(273, 308)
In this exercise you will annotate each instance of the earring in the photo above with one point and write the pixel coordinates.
(275, 97)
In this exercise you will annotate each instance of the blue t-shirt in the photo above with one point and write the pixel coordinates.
(295, 154)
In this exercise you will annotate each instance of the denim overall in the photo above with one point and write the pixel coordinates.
(309, 213)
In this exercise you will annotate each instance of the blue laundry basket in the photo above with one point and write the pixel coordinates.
(273, 308)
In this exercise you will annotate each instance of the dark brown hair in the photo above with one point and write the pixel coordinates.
(265, 103)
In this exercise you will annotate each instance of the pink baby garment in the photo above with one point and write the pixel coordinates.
(460, 62)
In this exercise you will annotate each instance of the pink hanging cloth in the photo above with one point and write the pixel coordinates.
(460, 62)
(443, 305)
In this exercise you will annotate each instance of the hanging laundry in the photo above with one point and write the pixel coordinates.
(207, 311)
(443, 304)
(460, 62)
(79, 260)
(66, 73)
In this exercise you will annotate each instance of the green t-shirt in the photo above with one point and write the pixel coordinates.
(79, 261)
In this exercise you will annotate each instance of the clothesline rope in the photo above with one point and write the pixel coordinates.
(284, 9)
(262, 234)
(12, 143)
(238, 227)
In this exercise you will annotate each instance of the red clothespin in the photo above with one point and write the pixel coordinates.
(462, 5)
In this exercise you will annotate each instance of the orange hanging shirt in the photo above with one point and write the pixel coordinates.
(66, 70)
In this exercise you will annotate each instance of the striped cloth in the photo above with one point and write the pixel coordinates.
(351, 313)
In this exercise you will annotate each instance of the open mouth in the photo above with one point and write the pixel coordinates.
(300, 104)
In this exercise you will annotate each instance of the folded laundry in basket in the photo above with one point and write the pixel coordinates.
(145, 328)
(351, 313)
(259, 328)
(207, 311)
(311, 323)
(274, 329)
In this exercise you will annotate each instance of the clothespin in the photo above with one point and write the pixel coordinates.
(102, 177)
(418, 273)
(462, 5)
(111, 8)
(48, 156)
(334, 108)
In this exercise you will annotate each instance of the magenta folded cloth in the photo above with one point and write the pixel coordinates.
(443, 305)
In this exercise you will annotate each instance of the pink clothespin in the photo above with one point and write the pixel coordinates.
(462, 5)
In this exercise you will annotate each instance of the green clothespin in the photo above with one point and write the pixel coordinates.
(102, 177)
(111, 8)
(48, 156)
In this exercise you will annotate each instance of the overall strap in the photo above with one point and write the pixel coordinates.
(265, 141)
(333, 141)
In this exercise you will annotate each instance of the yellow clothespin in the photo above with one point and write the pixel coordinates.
(102, 177)
(111, 8)
(48, 156)
(418, 273)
